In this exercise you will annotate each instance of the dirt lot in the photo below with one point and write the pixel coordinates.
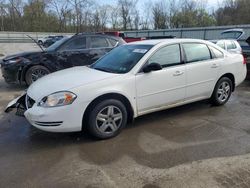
(195, 145)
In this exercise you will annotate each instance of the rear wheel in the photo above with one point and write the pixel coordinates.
(107, 119)
(222, 91)
(34, 73)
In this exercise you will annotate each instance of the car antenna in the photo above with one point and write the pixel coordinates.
(35, 42)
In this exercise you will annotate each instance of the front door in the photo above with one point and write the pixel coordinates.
(161, 88)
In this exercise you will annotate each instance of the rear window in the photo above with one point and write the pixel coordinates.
(99, 42)
(231, 35)
(221, 44)
(216, 53)
(75, 44)
(230, 45)
(113, 42)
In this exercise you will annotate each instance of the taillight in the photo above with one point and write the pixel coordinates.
(244, 60)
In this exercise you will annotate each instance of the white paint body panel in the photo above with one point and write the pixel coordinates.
(146, 92)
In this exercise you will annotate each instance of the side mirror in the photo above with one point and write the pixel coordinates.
(152, 67)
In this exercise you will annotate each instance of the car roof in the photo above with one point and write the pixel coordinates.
(232, 30)
(166, 41)
(96, 34)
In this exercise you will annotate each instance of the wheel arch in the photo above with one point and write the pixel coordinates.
(231, 77)
(27, 67)
(102, 97)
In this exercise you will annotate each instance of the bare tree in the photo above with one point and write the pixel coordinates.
(63, 11)
(126, 8)
(160, 15)
(96, 21)
(114, 17)
(15, 8)
(2, 13)
(81, 11)
(146, 17)
(103, 11)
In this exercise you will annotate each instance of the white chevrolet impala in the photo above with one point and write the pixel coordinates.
(132, 80)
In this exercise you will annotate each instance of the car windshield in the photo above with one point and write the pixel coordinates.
(121, 59)
(231, 35)
(54, 46)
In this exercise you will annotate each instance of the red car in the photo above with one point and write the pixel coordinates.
(121, 34)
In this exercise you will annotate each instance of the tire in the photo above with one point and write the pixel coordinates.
(101, 123)
(34, 73)
(222, 92)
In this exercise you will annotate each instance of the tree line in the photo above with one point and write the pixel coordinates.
(93, 15)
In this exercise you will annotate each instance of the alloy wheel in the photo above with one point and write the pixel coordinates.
(223, 91)
(38, 73)
(109, 119)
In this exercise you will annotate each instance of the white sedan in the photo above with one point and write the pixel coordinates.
(132, 80)
(231, 46)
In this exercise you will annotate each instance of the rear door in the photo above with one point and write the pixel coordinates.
(202, 70)
(74, 52)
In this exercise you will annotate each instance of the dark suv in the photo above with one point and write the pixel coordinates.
(78, 50)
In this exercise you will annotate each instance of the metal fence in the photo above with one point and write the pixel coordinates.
(21, 37)
(206, 33)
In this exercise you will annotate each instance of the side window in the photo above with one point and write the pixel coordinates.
(113, 42)
(75, 44)
(230, 45)
(98, 42)
(221, 44)
(167, 56)
(216, 53)
(196, 52)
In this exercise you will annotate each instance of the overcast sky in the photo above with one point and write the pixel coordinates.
(212, 4)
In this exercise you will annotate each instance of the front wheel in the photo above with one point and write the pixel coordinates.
(107, 119)
(222, 91)
(34, 73)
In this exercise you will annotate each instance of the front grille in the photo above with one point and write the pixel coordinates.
(29, 102)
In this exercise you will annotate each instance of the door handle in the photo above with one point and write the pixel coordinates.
(178, 73)
(214, 66)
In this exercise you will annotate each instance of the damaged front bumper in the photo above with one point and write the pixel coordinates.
(19, 104)
(59, 119)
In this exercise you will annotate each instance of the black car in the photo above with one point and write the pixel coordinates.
(78, 50)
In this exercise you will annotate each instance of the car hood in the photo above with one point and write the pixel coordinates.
(24, 54)
(65, 80)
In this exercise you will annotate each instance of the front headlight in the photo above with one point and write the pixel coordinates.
(58, 99)
(12, 61)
